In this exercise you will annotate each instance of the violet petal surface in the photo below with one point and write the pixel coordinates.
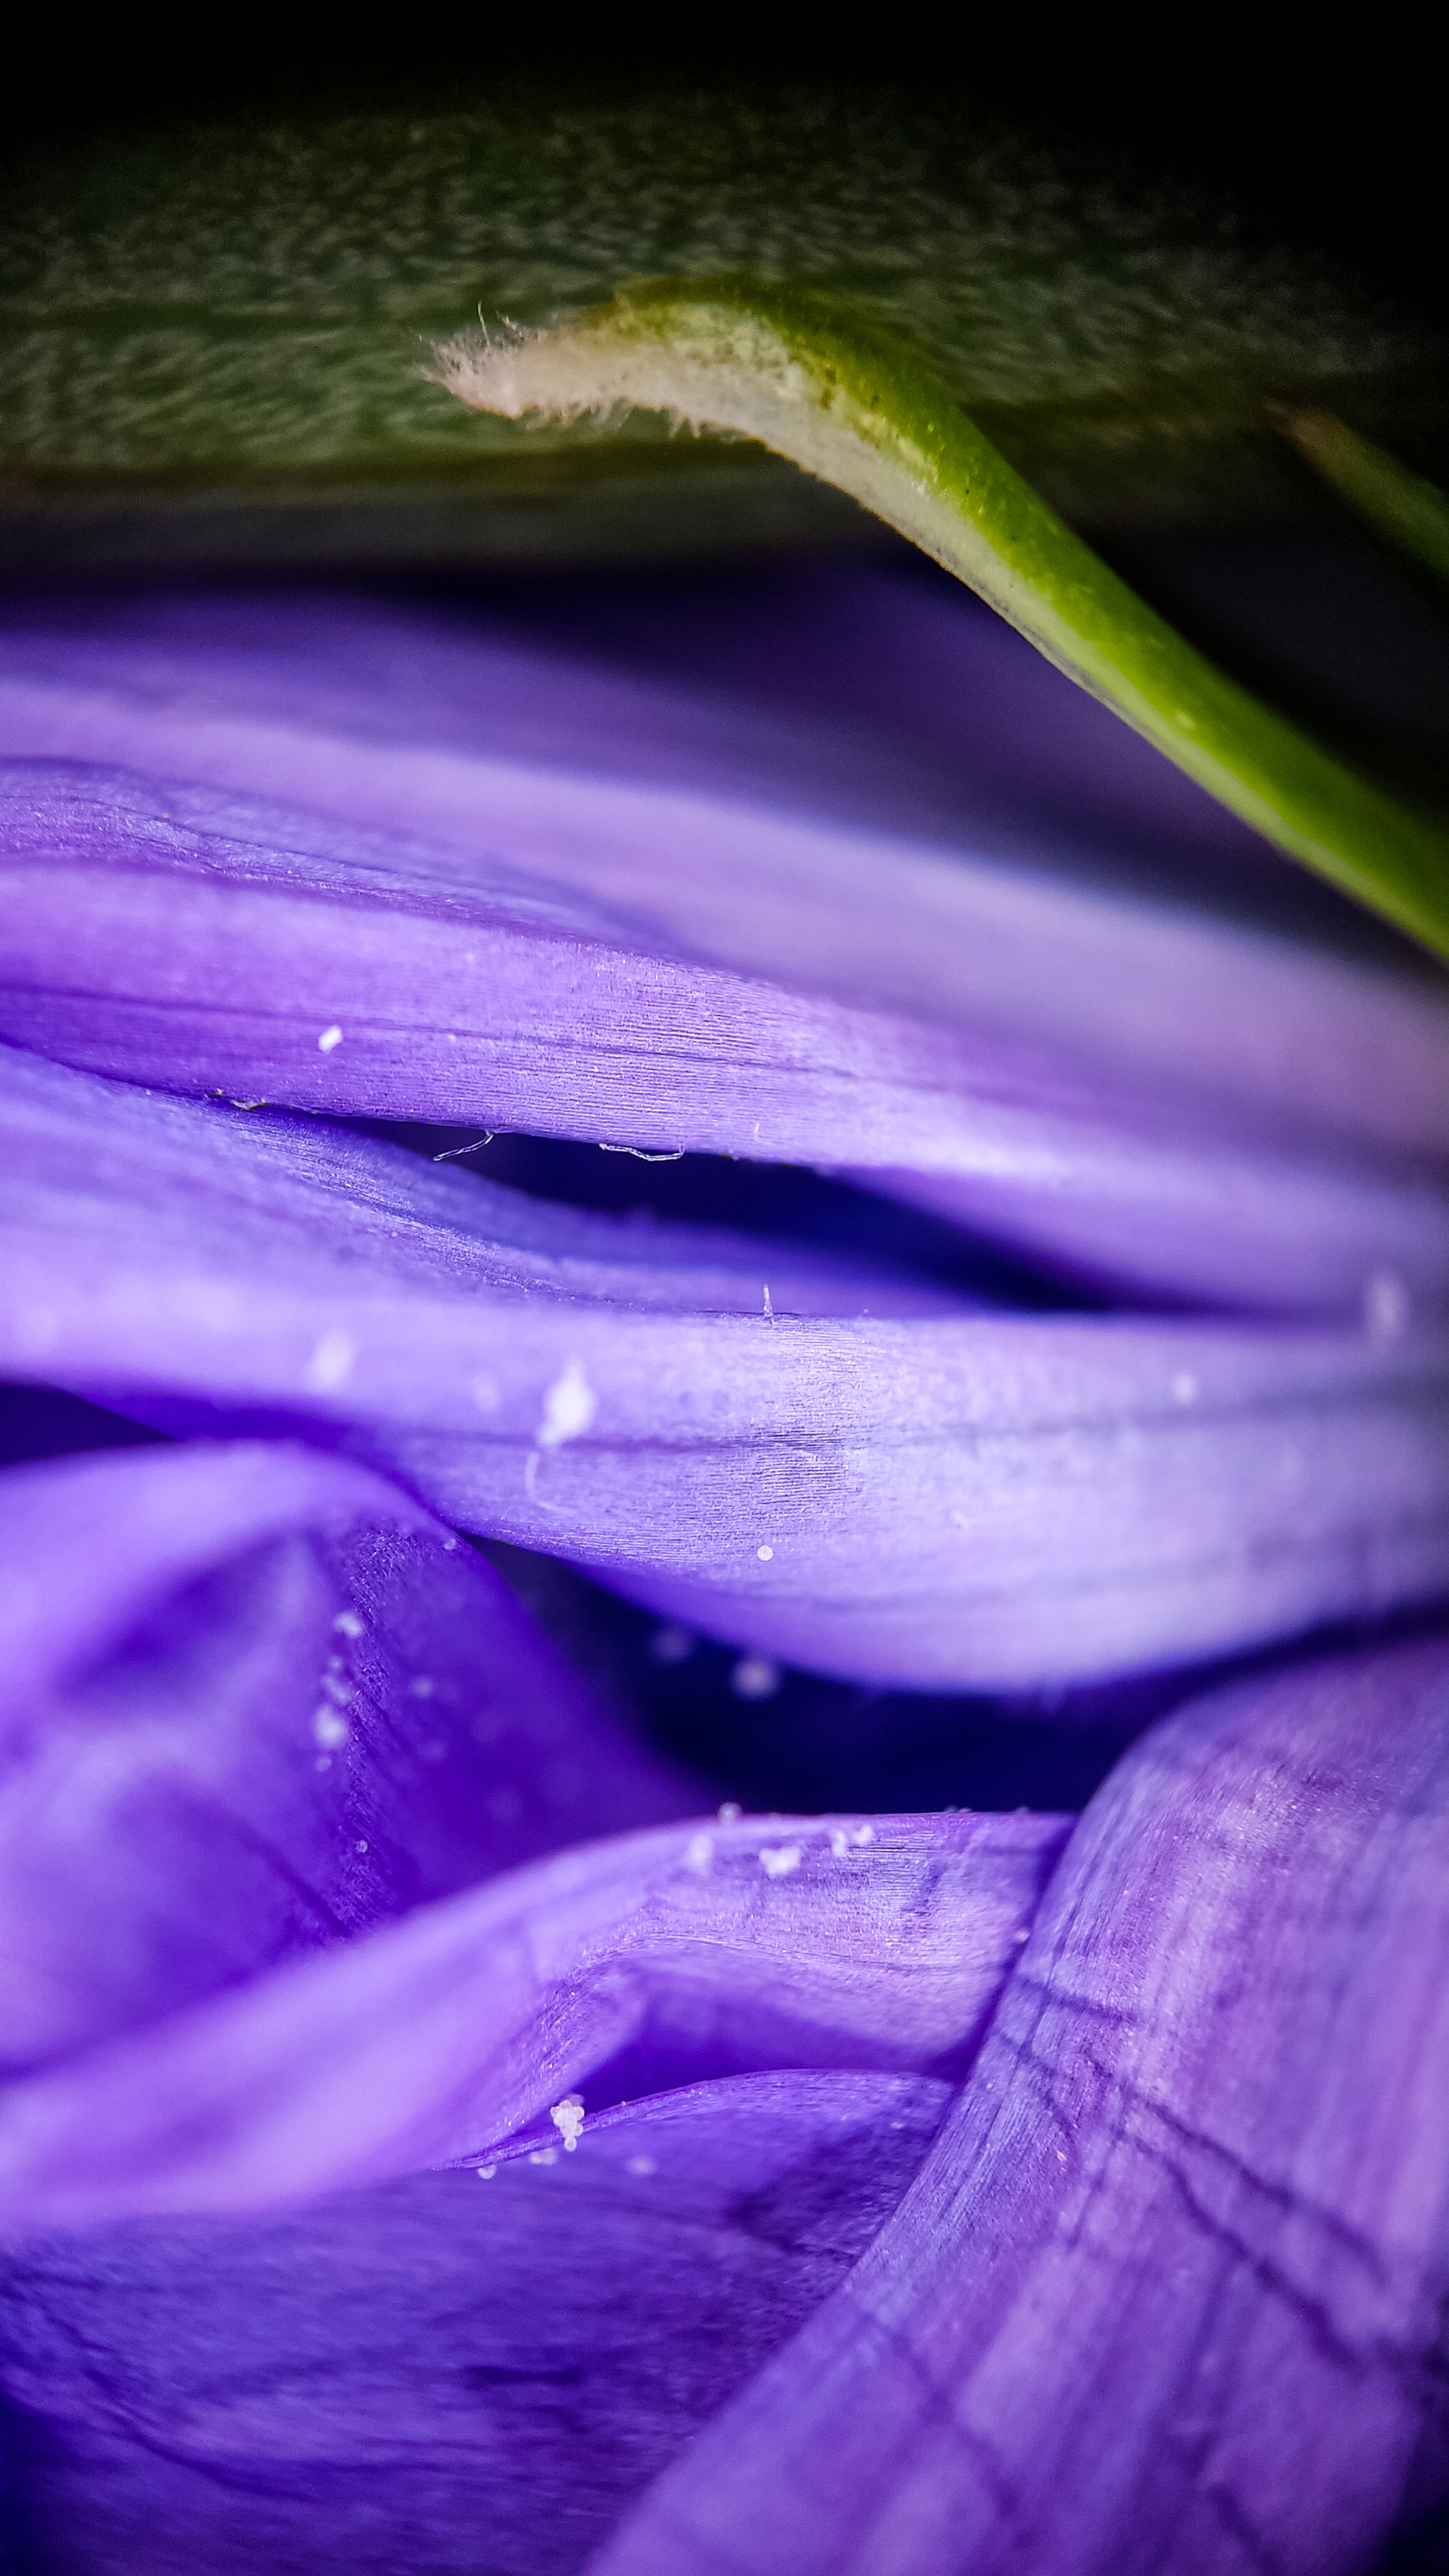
(619, 1967)
(253, 1702)
(1167, 2294)
(475, 901)
(858, 1473)
(431, 2376)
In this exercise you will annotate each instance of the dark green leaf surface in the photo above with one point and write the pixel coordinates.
(212, 338)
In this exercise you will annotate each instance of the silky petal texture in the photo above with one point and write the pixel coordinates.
(857, 1480)
(513, 868)
(1167, 2297)
(191, 939)
(253, 1701)
(430, 2376)
(617, 1969)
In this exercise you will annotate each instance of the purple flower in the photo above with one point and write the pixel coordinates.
(895, 2192)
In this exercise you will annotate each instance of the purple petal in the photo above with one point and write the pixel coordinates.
(447, 733)
(665, 1957)
(1195, 1105)
(856, 1480)
(253, 1700)
(1168, 2293)
(433, 2377)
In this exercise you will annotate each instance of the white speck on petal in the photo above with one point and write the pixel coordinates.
(330, 1363)
(486, 2172)
(338, 1691)
(544, 2156)
(698, 1852)
(1385, 1307)
(769, 1309)
(329, 1730)
(422, 1686)
(1184, 1387)
(864, 1834)
(640, 2165)
(568, 1408)
(764, 1554)
(839, 1843)
(568, 2118)
(755, 1677)
(348, 1624)
(780, 1859)
(329, 1039)
(360, 1845)
(730, 1813)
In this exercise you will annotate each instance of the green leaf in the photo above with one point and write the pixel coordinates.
(850, 402)
(1409, 513)
(211, 334)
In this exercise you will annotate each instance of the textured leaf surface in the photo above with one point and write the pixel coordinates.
(244, 307)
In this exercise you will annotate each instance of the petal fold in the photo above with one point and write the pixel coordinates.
(661, 1958)
(254, 1701)
(1168, 2293)
(854, 1472)
(429, 2376)
(503, 885)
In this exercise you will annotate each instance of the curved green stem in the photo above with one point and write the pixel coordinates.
(848, 402)
(1401, 507)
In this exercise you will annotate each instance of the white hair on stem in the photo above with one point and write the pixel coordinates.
(711, 367)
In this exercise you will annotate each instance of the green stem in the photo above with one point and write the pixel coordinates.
(1401, 507)
(847, 401)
